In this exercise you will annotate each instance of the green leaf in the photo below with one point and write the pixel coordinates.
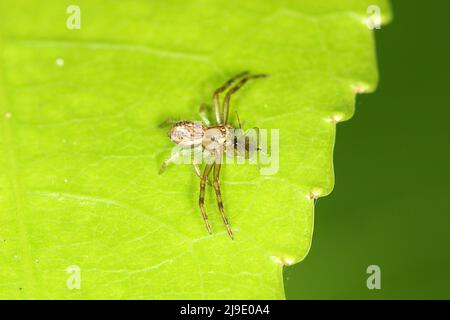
(81, 148)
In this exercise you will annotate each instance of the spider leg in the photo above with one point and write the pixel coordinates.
(168, 161)
(222, 89)
(226, 100)
(201, 200)
(199, 173)
(219, 198)
(166, 123)
(203, 114)
(238, 119)
(197, 170)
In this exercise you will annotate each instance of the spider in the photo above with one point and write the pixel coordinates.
(215, 140)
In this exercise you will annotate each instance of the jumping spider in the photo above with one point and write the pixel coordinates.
(215, 140)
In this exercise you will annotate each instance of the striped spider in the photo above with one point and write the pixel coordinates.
(214, 140)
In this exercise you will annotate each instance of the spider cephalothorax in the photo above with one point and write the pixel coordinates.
(218, 138)
(214, 139)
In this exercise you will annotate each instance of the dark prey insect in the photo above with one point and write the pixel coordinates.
(214, 139)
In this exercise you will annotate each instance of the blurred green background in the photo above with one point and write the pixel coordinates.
(390, 205)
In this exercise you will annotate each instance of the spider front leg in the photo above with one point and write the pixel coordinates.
(167, 123)
(166, 162)
(219, 91)
(201, 200)
(237, 86)
(174, 156)
(216, 185)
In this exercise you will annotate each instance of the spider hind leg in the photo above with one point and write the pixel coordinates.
(201, 200)
(219, 199)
